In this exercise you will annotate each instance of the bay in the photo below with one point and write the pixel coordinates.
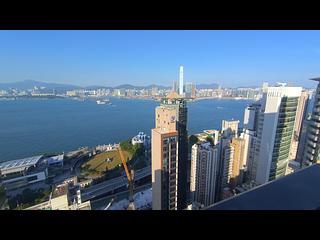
(31, 127)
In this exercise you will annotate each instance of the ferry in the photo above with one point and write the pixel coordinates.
(105, 101)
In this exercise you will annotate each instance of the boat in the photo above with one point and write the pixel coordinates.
(105, 101)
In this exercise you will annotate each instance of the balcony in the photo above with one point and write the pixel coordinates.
(315, 124)
(314, 131)
(312, 145)
(311, 137)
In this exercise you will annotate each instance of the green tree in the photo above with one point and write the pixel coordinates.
(127, 146)
(28, 198)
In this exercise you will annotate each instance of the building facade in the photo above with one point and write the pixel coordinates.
(226, 163)
(164, 169)
(230, 128)
(275, 131)
(238, 163)
(204, 173)
(249, 134)
(300, 116)
(171, 128)
(312, 145)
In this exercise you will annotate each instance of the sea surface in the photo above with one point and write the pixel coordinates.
(31, 126)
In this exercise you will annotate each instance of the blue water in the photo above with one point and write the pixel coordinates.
(30, 127)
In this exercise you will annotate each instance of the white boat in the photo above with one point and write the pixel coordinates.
(100, 102)
(105, 101)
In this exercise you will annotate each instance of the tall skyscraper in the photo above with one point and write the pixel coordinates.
(275, 131)
(311, 151)
(225, 165)
(164, 169)
(170, 154)
(250, 125)
(204, 173)
(181, 85)
(300, 116)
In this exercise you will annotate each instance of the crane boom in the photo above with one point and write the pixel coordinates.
(124, 164)
(129, 176)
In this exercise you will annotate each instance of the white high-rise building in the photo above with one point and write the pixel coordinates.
(250, 139)
(275, 131)
(181, 85)
(204, 173)
(265, 86)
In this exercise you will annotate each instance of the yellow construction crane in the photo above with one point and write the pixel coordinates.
(130, 176)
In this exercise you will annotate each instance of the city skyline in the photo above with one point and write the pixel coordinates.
(110, 58)
(162, 138)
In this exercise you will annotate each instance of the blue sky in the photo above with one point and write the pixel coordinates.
(110, 58)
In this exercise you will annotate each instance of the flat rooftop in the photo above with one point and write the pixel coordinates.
(165, 131)
(55, 158)
(60, 190)
(20, 163)
(296, 191)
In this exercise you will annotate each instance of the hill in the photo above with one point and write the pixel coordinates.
(29, 84)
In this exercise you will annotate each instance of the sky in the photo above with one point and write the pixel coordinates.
(110, 58)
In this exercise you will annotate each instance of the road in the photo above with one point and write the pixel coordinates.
(76, 167)
(111, 185)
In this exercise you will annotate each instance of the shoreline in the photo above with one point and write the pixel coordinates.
(6, 98)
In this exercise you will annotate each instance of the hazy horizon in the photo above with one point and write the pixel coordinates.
(141, 58)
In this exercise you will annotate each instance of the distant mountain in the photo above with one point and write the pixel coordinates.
(29, 84)
(126, 86)
(93, 87)
(204, 86)
(158, 86)
(129, 86)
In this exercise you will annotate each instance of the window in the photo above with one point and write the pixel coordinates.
(173, 139)
(29, 179)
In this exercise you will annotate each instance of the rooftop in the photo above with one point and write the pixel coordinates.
(173, 95)
(165, 131)
(210, 131)
(55, 158)
(297, 191)
(60, 190)
(19, 163)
